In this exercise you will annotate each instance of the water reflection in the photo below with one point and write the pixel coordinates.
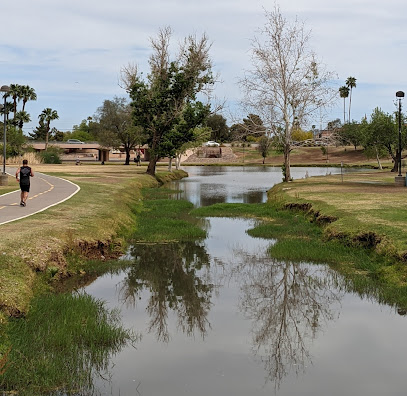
(265, 319)
(219, 184)
(288, 303)
(175, 276)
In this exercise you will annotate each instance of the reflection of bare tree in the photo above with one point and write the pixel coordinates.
(170, 272)
(287, 303)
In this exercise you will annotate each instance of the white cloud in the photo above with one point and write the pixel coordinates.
(71, 51)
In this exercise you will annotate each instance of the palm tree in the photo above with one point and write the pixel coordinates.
(22, 117)
(15, 93)
(350, 83)
(9, 109)
(46, 117)
(27, 94)
(344, 93)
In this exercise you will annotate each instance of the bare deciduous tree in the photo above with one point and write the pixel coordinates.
(287, 83)
(128, 76)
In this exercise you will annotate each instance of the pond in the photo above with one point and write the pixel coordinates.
(207, 185)
(221, 317)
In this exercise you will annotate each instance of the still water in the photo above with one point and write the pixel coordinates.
(221, 317)
(207, 185)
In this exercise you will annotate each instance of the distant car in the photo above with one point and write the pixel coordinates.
(211, 143)
(74, 141)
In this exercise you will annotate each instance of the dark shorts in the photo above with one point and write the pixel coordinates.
(25, 188)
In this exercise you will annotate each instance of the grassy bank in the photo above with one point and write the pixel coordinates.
(362, 209)
(62, 341)
(311, 156)
(65, 339)
(366, 272)
(93, 224)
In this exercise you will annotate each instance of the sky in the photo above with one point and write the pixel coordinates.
(71, 51)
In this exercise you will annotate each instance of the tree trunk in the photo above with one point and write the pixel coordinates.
(46, 140)
(177, 161)
(396, 162)
(170, 165)
(127, 162)
(151, 165)
(344, 108)
(287, 176)
(378, 159)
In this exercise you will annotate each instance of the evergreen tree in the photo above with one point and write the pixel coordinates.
(162, 102)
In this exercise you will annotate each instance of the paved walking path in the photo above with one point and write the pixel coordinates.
(45, 191)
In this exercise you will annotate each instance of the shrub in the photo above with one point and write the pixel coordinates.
(52, 155)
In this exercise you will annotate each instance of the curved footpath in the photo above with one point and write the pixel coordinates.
(45, 191)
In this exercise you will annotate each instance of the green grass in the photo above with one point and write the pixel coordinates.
(235, 210)
(363, 203)
(16, 285)
(62, 341)
(164, 220)
(76, 226)
(12, 185)
(367, 272)
(61, 240)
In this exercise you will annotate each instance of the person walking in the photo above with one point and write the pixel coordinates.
(23, 175)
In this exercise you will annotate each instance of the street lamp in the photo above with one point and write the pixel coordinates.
(399, 180)
(399, 95)
(4, 177)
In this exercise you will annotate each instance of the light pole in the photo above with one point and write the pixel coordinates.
(4, 177)
(399, 179)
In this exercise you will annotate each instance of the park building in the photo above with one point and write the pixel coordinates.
(90, 151)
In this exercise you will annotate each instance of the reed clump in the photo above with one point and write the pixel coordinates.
(33, 159)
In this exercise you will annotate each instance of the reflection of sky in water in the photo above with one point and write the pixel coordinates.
(360, 352)
(209, 185)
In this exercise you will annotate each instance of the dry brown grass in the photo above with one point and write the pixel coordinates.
(33, 159)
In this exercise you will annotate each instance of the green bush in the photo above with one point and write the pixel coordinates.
(52, 155)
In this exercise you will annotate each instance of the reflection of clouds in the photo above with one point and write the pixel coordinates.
(287, 304)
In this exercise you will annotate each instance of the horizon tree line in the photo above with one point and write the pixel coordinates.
(15, 137)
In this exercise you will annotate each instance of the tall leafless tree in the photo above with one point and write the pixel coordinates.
(287, 83)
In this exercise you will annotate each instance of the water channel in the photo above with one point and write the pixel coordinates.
(221, 317)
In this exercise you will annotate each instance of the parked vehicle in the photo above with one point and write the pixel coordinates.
(211, 143)
(74, 141)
